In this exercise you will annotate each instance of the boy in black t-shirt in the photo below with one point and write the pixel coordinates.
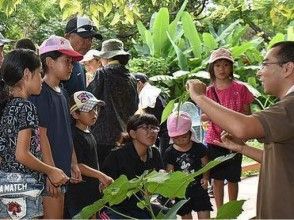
(84, 108)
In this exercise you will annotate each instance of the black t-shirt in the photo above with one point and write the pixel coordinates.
(84, 193)
(189, 161)
(126, 161)
(54, 115)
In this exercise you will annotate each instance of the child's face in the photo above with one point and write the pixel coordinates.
(88, 118)
(146, 134)
(63, 67)
(182, 140)
(222, 69)
(35, 82)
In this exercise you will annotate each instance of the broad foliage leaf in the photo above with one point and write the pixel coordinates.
(170, 185)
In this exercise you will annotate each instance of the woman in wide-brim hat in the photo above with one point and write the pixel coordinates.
(117, 88)
(113, 49)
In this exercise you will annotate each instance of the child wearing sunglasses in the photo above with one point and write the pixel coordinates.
(185, 154)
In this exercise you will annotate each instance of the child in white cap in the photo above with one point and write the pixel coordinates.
(185, 154)
(57, 56)
(84, 109)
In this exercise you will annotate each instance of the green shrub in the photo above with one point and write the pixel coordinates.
(151, 66)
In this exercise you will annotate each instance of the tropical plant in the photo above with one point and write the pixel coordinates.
(151, 66)
(169, 185)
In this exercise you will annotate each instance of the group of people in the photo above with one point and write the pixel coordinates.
(65, 137)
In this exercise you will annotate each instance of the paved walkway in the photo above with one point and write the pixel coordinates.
(248, 192)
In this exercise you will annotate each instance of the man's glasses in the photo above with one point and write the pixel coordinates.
(264, 64)
(153, 128)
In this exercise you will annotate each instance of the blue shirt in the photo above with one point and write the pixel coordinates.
(54, 115)
(77, 80)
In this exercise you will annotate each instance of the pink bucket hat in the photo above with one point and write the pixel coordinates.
(179, 123)
(57, 43)
(221, 53)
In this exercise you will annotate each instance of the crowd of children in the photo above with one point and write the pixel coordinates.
(63, 142)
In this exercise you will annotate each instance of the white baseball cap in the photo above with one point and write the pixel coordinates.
(90, 55)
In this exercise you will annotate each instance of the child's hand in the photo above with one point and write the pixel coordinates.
(204, 183)
(55, 178)
(106, 180)
(75, 173)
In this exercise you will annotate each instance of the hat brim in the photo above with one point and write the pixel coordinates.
(91, 103)
(220, 58)
(87, 34)
(110, 54)
(4, 41)
(193, 136)
(71, 53)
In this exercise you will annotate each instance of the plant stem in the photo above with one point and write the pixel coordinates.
(126, 216)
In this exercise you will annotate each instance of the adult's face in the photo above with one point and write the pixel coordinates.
(1, 55)
(270, 73)
(80, 44)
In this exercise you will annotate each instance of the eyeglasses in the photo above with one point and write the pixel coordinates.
(153, 128)
(264, 64)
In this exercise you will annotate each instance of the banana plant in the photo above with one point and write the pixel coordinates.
(156, 38)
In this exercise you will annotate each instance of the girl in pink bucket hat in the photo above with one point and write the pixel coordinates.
(189, 156)
(232, 94)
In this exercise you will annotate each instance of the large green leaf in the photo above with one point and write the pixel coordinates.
(173, 26)
(141, 28)
(88, 211)
(167, 110)
(209, 42)
(225, 33)
(191, 34)
(277, 38)
(182, 59)
(212, 164)
(171, 187)
(230, 210)
(159, 30)
(172, 212)
(150, 42)
(118, 190)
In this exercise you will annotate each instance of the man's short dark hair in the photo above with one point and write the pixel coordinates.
(25, 43)
(285, 53)
(141, 77)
